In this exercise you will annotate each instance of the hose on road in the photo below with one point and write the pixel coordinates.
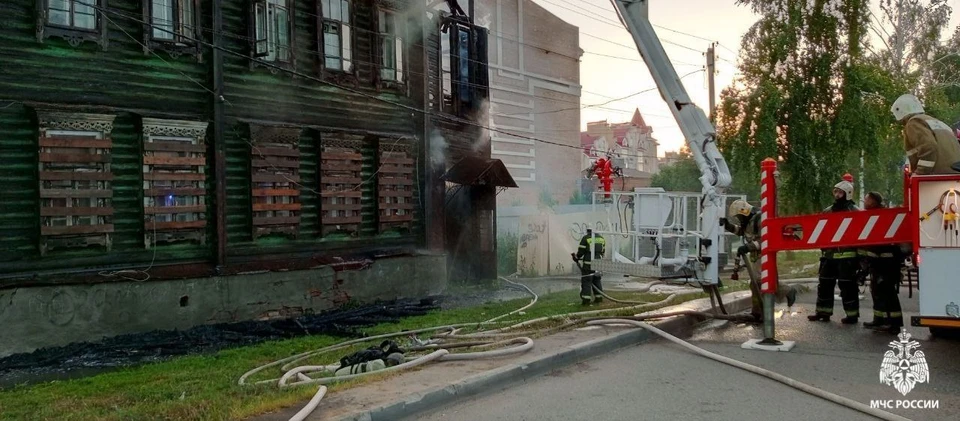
(849, 403)
(502, 337)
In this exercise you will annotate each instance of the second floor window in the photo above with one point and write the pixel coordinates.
(173, 20)
(274, 30)
(72, 14)
(336, 36)
(391, 46)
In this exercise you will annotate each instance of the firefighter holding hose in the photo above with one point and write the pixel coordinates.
(589, 278)
(743, 220)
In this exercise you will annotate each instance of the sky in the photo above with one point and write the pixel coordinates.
(604, 78)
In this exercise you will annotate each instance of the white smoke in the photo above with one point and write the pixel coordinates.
(485, 121)
(438, 148)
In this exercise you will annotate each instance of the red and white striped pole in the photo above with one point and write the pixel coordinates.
(768, 257)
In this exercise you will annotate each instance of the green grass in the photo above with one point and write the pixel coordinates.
(798, 264)
(204, 387)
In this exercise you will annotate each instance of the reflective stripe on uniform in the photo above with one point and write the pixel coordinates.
(824, 310)
(852, 313)
(844, 255)
(913, 151)
(925, 163)
(896, 314)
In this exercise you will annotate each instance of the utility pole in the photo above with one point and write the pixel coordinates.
(711, 71)
(219, 158)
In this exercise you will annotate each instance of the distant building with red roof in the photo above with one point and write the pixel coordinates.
(632, 141)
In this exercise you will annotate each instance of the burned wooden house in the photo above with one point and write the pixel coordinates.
(265, 157)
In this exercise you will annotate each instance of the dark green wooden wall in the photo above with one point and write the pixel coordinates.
(124, 81)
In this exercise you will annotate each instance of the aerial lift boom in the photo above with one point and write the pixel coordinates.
(696, 127)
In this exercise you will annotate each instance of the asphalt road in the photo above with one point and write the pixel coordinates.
(660, 381)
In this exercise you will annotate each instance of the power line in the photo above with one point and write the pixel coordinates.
(407, 71)
(328, 83)
(612, 100)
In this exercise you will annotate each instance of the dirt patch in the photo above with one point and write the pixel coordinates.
(82, 359)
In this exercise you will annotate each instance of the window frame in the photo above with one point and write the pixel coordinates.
(465, 96)
(351, 75)
(254, 34)
(400, 34)
(175, 47)
(72, 34)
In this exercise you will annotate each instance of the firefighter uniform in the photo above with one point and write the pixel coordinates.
(885, 264)
(931, 145)
(589, 279)
(744, 221)
(838, 266)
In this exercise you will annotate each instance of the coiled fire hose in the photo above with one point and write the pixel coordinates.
(442, 353)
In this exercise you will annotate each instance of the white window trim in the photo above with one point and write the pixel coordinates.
(71, 15)
(266, 10)
(345, 34)
(177, 29)
(399, 45)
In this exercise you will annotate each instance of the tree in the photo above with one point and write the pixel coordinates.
(799, 98)
(680, 176)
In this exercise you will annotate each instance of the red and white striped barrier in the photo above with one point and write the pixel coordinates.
(841, 229)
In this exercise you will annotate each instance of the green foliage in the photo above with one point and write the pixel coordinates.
(680, 176)
(816, 96)
(683, 176)
(507, 254)
(546, 199)
(578, 198)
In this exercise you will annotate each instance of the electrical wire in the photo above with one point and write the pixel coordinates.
(355, 61)
(281, 68)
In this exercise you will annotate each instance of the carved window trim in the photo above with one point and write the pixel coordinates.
(73, 35)
(340, 175)
(259, 15)
(396, 184)
(174, 181)
(275, 180)
(75, 180)
(340, 76)
(187, 31)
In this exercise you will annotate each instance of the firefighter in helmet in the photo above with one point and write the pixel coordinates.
(883, 264)
(743, 220)
(589, 278)
(931, 144)
(839, 266)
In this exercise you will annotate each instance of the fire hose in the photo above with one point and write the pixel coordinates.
(441, 350)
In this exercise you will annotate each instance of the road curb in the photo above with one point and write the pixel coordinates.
(504, 377)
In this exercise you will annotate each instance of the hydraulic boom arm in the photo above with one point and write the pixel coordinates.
(697, 129)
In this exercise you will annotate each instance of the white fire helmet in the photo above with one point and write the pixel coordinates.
(847, 188)
(906, 106)
(739, 207)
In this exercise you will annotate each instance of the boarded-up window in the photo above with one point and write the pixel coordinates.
(174, 181)
(76, 190)
(341, 164)
(395, 184)
(275, 179)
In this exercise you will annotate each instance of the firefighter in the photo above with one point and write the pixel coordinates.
(589, 278)
(839, 266)
(931, 145)
(884, 264)
(743, 220)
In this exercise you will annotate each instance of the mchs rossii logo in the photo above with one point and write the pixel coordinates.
(904, 366)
